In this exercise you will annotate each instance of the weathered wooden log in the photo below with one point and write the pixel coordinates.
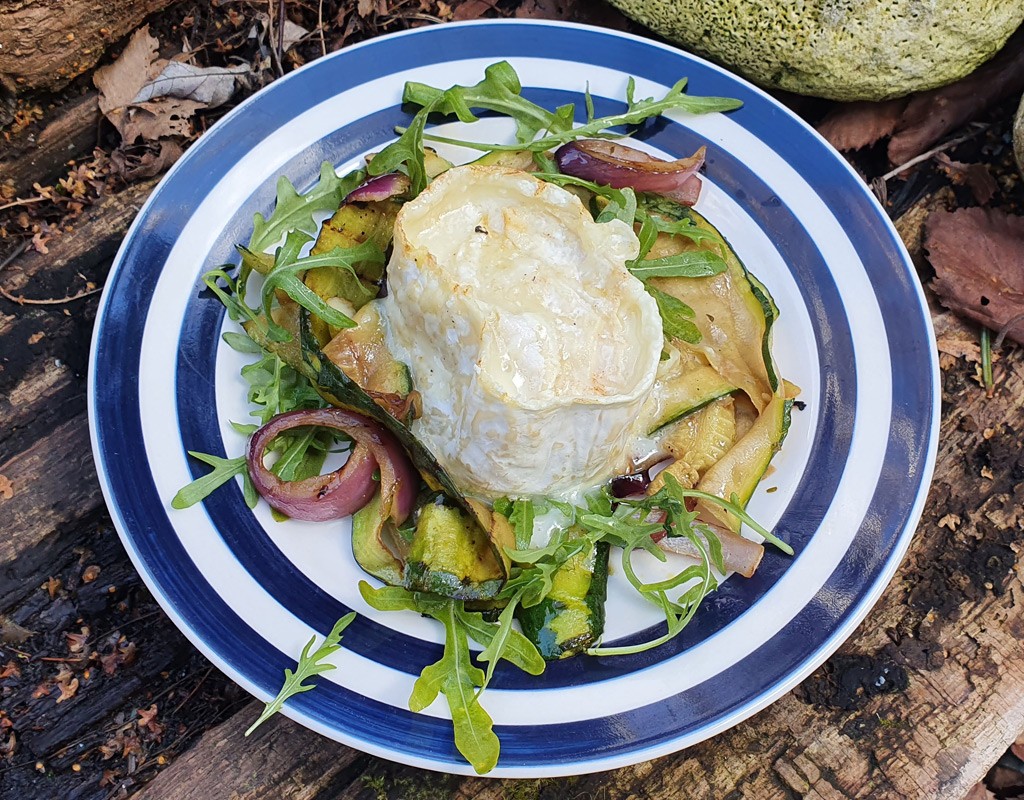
(41, 157)
(284, 762)
(44, 44)
(94, 237)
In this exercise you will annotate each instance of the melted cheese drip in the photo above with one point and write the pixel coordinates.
(532, 346)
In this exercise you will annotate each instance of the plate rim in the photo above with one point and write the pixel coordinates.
(855, 615)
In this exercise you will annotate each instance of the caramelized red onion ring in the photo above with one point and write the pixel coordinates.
(617, 165)
(380, 188)
(738, 554)
(342, 492)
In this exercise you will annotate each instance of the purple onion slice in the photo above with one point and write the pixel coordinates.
(343, 492)
(382, 187)
(613, 164)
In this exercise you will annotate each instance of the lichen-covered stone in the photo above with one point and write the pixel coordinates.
(839, 49)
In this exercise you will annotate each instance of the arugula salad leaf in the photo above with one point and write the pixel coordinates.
(295, 212)
(224, 469)
(502, 92)
(308, 666)
(455, 676)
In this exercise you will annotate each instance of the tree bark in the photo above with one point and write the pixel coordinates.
(44, 44)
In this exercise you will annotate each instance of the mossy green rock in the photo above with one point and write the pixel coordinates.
(839, 49)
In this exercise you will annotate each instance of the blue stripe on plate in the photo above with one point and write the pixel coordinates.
(627, 736)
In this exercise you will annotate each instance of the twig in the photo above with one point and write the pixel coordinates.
(929, 153)
(21, 248)
(195, 689)
(1009, 326)
(270, 40)
(320, 26)
(20, 202)
(126, 623)
(280, 32)
(49, 301)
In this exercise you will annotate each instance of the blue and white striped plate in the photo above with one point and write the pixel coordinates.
(846, 491)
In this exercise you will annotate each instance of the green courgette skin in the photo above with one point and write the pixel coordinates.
(451, 556)
(571, 618)
(369, 548)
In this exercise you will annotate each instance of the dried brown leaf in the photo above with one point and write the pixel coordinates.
(978, 256)
(67, 683)
(147, 720)
(473, 9)
(10, 670)
(77, 641)
(852, 126)
(975, 177)
(1005, 781)
(150, 163)
(12, 633)
(6, 488)
(90, 573)
(42, 689)
(121, 81)
(931, 115)
(211, 86)
(959, 348)
(168, 116)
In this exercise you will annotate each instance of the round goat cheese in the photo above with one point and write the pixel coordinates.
(531, 344)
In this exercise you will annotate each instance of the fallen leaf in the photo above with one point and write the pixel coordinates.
(6, 488)
(975, 177)
(293, 34)
(108, 777)
(153, 121)
(147, 720)
(130, 745)
(122, 654)
(547, 9)
(39, 243)
(977, 255)
(36, 337)
(851, 126)
(152, 161)
(931, 115)
(366, 7)
(951, 521)
(211, 86)
(12, 633)
(52, 586)
(90, 573)
(77, 641)
(10, 670)
(8, 747)
(473, 9)
(67, 683)
(119, 82)
(112, 747)
(1006, 781)
(959, 348)
(42, 689)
